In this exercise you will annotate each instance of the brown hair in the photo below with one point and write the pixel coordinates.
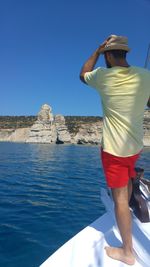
(118, 53)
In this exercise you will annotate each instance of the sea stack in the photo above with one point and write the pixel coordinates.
(43, 130)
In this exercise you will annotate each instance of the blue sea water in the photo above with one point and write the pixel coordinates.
(48, 193)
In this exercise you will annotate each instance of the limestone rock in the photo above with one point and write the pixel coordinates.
(5, 134)
(14, 135)
(43, 130)
(42, 133)
(146, 126)
(53, 129)
(63, 135)
(147, 114)
(146, 140)
(89, 134)
(45, 114)
(20, 135)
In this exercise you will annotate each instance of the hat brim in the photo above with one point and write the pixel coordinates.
(116, 47)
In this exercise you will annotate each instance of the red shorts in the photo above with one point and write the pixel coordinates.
(118, 170)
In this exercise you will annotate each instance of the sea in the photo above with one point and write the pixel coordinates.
(48, 193)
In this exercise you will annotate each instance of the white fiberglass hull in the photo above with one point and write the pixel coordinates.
(86, 249)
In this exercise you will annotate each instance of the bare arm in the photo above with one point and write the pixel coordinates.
(90, 63)
(148, 103)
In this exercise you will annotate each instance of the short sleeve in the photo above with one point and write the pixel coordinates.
(92, 78)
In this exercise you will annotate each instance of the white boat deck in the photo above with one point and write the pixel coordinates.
(86, 249)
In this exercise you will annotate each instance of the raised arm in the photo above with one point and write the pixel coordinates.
(91, 62)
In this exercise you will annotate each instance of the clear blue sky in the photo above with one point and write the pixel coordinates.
(44, 43)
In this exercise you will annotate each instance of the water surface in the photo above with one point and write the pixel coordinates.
(48, 194)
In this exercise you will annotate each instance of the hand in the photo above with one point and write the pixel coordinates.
(100, 49)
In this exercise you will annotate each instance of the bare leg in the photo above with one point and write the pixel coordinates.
(123, 217)
(129, 189)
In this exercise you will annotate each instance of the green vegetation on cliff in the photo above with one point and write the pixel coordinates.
(14, 122)
(73, 122)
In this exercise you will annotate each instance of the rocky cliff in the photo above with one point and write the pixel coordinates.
(146, 128)
(47, 128)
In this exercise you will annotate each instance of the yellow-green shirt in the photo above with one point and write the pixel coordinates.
(124, 93)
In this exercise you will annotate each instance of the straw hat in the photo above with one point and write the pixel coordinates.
(115, 42)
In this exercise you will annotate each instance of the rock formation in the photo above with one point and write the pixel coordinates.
(14, 135)
(45, 116)
(47, 128)
(63, 135)
(146, 127)
(43, 130)
(89, 134)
